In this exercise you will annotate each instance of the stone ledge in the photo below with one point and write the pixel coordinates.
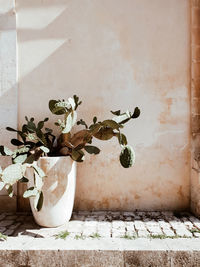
(104, 244)
(84, 253)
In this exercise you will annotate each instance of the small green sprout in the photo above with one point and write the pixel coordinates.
(79, 237)
(95, 235)
(62, 235)
(127, 236)
(194, 230)
(159, 236)
(163, 236)
(3, 237)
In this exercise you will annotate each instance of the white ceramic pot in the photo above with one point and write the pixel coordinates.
(58, 190)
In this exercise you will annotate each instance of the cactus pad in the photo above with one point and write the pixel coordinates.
(127, 156)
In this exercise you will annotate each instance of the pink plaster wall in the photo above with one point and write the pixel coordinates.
(115, 54)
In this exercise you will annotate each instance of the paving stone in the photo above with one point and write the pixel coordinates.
(128, 219)
(105, 233)
(118, 233)
(152, 223)
(45, 232)
(137, 217)
(139, 225)
(29, 219)
(155, 230)
(129, 213)
(166, 213)
(102, 218)
(175, 219)
(75, 216)
(164, 225)
(11, 217)
(73, 235)
(181, 232)
(151, 216)
(2, 229)
(195, 221)
(169, 233)
(130, 230)
(116, 215)
(84, 212)
(188, 224)
(28, 226)
(154, 214)
(89, 228)
(21, 219)
(153, 227)
(104, 229)
(9, 232)
(92, 224)
(177, 225)
(121, 217)
(143, 233)
(14, 226)
(23, 213)
(108, 218)
(100, 212)
(20, 232)
(118, 224)
(75, 226)
(118, 229)
(6, 222)
(141, 213)
(145, 219)
(131, 234)
(129, 226)
(104, 225)
(196, 234)
(8, 213)
(81, 218)
(2, 216)
(90, 218)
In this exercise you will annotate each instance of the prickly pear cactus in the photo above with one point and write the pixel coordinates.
(127, 156)
(36, 141)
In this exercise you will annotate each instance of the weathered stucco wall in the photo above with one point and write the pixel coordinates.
(115, 54)
(195, 104)
(8, 88)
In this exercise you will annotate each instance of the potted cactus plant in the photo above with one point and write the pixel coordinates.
(48, 163)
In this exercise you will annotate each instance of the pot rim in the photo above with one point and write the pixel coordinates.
(49, 157)
(54, 157)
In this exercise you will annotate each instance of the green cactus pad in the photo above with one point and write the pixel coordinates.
(13, 173)
(127, 156)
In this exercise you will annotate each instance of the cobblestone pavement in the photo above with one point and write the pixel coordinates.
(101, 224)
